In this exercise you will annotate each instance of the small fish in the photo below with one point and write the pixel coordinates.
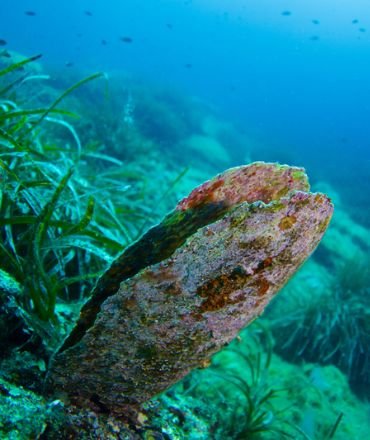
(188, 65)
(3, 43)
(315, 21)
(30, 13)
(104, 42)
(126, 39)
(355, 21)
(315, 38)
(69, 64)
(169, 26)
(5, 54)
(362, 29)
(88, 13)
(286, 13)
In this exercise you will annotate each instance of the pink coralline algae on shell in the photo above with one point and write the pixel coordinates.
(189, 285)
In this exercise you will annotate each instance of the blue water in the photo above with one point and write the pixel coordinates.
(294, 75)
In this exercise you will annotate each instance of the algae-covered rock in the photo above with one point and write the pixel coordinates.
(206, 147)
(23, 414)
(189, 285)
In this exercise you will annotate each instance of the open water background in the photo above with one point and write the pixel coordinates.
(293, 74)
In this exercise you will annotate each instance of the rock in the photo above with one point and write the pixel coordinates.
(189, 285)
(23, 414)
(207, 148)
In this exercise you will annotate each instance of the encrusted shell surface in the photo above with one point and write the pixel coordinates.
(190, 284)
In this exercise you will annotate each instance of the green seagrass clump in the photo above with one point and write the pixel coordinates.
(59, 218)
(331, 326)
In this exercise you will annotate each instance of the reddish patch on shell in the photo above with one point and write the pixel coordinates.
(257, 181)
(201, 196)
(217, 292)
(267, 262)
(263, 286)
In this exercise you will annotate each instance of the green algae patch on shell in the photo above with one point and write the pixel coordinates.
(219, 274)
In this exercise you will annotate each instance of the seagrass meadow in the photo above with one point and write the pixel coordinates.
(111, 243)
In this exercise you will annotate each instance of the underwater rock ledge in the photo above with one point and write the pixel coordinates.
(189, 285)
